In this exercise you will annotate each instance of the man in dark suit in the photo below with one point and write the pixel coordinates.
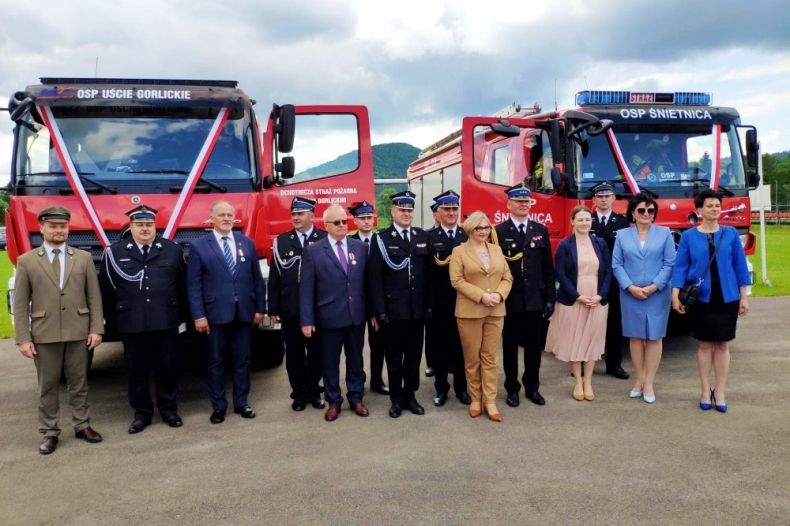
(332, 302)
(441, 331)
(605, 224)
(527, 247)
(398, 288)
(142, 282)
(363, 219)
(226, 296)
(57, 320)
(302, 355)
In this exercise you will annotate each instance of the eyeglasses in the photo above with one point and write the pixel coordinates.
(648, 211)
(482, 228)
(338, 222)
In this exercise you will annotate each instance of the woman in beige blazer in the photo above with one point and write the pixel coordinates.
(480, 274)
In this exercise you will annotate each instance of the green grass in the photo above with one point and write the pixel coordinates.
(777, 245)
(777, 240)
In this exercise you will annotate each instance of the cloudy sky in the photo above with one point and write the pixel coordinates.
(419, 66)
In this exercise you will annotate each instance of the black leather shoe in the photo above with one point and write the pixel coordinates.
(138, 425)
(395, 410)
(415, 407)
(380, 389)
(429, 372)
(512, 399)
(536, 397)
(298, 405)
(317, 403)
(89, 435)
(440, 399)
(217, 417)
(48, 445)
(618, 372)
(173, 421)
(464, 398)
(245, 412)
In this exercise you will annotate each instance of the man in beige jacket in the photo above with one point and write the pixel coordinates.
(58, 318)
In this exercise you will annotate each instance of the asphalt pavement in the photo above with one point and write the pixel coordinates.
(610, 461)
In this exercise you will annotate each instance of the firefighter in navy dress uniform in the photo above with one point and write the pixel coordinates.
(363, 214)
(527, 248)
(605, 224)
(302, 355)
(441, 332)
(143, 291)
(398, 290)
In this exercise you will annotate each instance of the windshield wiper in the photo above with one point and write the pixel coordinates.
(726, 191)
(82, 176)
(212, 184)
(157, 171)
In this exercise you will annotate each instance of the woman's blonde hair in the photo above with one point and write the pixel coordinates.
(473, 221)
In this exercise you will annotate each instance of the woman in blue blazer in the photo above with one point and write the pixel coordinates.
(577, 332)
(642, 264)
(722, 292)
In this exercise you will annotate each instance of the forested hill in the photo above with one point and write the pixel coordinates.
(389, 160)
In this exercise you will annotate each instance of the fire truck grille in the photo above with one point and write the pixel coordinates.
(87, 240)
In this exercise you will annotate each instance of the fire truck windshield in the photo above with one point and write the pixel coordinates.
(135, 147)
(670, 161)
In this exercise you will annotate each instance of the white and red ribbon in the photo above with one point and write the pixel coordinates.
(629, 178)
(716, 160)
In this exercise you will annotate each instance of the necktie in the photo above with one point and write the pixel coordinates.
(405, 235)
(229, 261)
(341, 255)
(522, 229)
(603, 220)
(145, 251)
(450, 233)
(367, 241)
(56, 264)
(304, 239)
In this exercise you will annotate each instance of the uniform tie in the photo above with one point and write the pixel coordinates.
(341, 255)
(56, 264)
(603, 220)
(367, 240)
(145, 251)
(304, 239)
(522, 229)
(450, 233)
(228, 255)
(405, 234)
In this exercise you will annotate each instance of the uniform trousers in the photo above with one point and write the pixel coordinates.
(333, 341)
(302, 360)
(376, 344)
(50, 360)
(229, 340)
(614, 332)
(157, 351)
(403, 351)
(448, 353)
(529, 325)
(480, 338)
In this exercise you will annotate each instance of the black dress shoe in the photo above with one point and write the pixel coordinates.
(536, 397)
(464, 398)
(48, 445)
(440, 399)
(415, 407)
(395, 410)
(298, 405)
(89, 435)
(245, 412)
(380, 389)
(173, 420)
(512, 399)
(217, 417)
(138, 425)
(618, 372)
(429, 372)
(317, 403)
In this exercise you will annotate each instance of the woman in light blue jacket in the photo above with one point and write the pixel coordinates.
(642, 265)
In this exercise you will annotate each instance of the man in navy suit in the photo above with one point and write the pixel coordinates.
(226, 297)
(332, 301)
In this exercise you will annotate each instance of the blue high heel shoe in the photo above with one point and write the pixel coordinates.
(721, 408)
(650, 399)
(707, 406)
(635, 394)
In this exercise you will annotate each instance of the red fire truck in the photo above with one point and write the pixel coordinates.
(102, 146)
(670, 145)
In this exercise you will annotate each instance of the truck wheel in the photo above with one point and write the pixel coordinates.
(268, 349)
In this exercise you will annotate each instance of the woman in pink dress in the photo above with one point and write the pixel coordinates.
(577, 332)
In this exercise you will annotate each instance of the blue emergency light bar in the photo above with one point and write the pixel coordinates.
(679, 98)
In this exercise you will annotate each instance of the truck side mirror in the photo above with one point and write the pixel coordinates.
(284, 127)
(286, 167)
(752, 148)
(505, 129)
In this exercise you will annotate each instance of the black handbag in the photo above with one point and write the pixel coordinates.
(690, 292)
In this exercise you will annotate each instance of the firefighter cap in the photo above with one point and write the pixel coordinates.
(56, 214)
(363, 209)
(403, 200)
(519, 192)
(602, 189)
(448, 199)
(141, 213)
(302, 204)
(434, 207)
